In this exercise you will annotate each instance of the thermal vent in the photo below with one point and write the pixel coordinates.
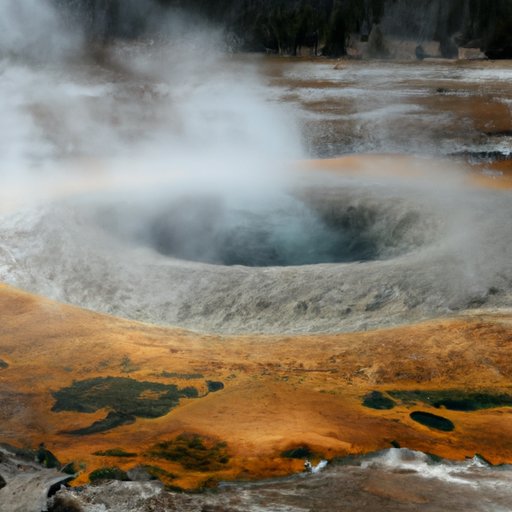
(319, 227)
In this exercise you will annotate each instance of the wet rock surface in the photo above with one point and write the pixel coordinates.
(26, 484)
(393, 480)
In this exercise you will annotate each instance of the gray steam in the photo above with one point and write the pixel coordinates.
(35, 30)
(151, 108)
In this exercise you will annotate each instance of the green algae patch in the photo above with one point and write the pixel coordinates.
(46, 458)
(300, 452)
(184, 376)
(112, 420)
(454, 399)
(432, 421)
(214, 385)
(110, 473)
(159, 473)
(115, 452)
(193, 452)
(125, 398)
(377, 400)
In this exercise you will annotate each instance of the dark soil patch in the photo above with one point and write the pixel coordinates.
(3, 364)
(301, 452)
(113, 419)
(159, 473)
(377, 400)
(432, 421)
(214, 385)
(454, 399)
(112, 473)
(125, 397)
(184, 376)
(115, 452)
(46, 458)
(193, 452)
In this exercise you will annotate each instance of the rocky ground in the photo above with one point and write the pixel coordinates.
(392, 480)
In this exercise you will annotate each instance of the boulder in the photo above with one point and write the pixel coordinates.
(26, 485)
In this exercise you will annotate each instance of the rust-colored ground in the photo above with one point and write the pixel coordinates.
(497, 174)
(280, 392)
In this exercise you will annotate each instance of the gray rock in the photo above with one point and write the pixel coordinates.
(26, 485)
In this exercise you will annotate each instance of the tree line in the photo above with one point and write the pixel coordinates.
(284, 26)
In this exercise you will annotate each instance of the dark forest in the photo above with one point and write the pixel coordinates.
(283, 26)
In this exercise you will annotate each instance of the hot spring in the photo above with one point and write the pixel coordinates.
(342, 225)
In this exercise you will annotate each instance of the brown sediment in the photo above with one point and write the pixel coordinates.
(280, 392)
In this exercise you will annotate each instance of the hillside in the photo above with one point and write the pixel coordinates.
(242, 401)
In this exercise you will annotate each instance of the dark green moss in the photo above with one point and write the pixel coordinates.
(436, 459)
(189, 392)
(159, 473)
(454, 399)
(47, 458)
(184, 376)
(112, 420)
(112, 473)
(193, 452)
(377, 400)
(301, 452)
(432, 421)
(214, 385)
(70, 469)
(115, 452)
(124, 395)
(128, 366)
(126, 398)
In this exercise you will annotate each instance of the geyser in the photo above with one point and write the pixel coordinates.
(336, 227)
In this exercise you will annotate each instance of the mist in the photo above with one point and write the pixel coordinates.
(173, 102)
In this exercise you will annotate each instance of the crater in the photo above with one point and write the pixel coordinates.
(322, 254)
(306, 228)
